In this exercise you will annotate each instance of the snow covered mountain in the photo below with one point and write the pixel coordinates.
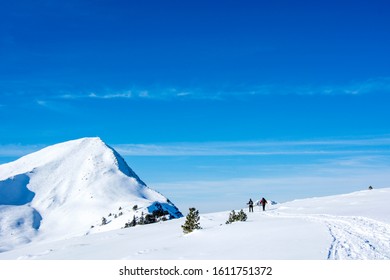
(66, 189)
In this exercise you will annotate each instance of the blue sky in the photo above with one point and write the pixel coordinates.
(210, 102)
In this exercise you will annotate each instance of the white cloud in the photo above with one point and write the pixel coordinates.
(319, 147)
(127, 94)
(42, 103)
(366, 148)
(379, 84)
(183, 93)
(70, 96)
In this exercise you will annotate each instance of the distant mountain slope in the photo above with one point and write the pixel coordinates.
(64, 189)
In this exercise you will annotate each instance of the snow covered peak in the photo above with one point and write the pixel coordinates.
(86, 150)
(65, 188)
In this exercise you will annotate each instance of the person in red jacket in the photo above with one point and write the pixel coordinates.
(263, 202)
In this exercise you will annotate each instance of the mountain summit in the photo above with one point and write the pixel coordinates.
(67, 189)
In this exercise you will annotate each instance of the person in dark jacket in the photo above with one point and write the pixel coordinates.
(263, 202)
(250, 203)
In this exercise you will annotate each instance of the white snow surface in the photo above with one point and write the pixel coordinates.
(63, 190)
(350, 226)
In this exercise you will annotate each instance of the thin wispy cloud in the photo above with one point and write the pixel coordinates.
(183, 93)
(367, 146)
(214, 92)
(42, 103)
(320, 147)
(127, 94)
(374, 85)
(70, 96)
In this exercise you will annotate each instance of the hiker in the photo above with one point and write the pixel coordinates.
(263, 202)
(250, 203)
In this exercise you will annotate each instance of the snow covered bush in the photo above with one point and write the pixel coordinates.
(192, 221)
(242, 216)
(237, 217)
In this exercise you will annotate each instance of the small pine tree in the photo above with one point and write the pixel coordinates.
(149, 219)
(133, 223)
(192, 221)
(237, 217)
(242, 216)
(232, 217)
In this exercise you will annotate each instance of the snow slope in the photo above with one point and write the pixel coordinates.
(64, 189)
(351, 226)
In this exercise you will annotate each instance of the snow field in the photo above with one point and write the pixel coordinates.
(310, 229)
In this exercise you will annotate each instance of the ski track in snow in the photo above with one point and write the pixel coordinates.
(353, 237)
(35, 256)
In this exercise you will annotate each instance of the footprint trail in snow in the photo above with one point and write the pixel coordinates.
(352, 237)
